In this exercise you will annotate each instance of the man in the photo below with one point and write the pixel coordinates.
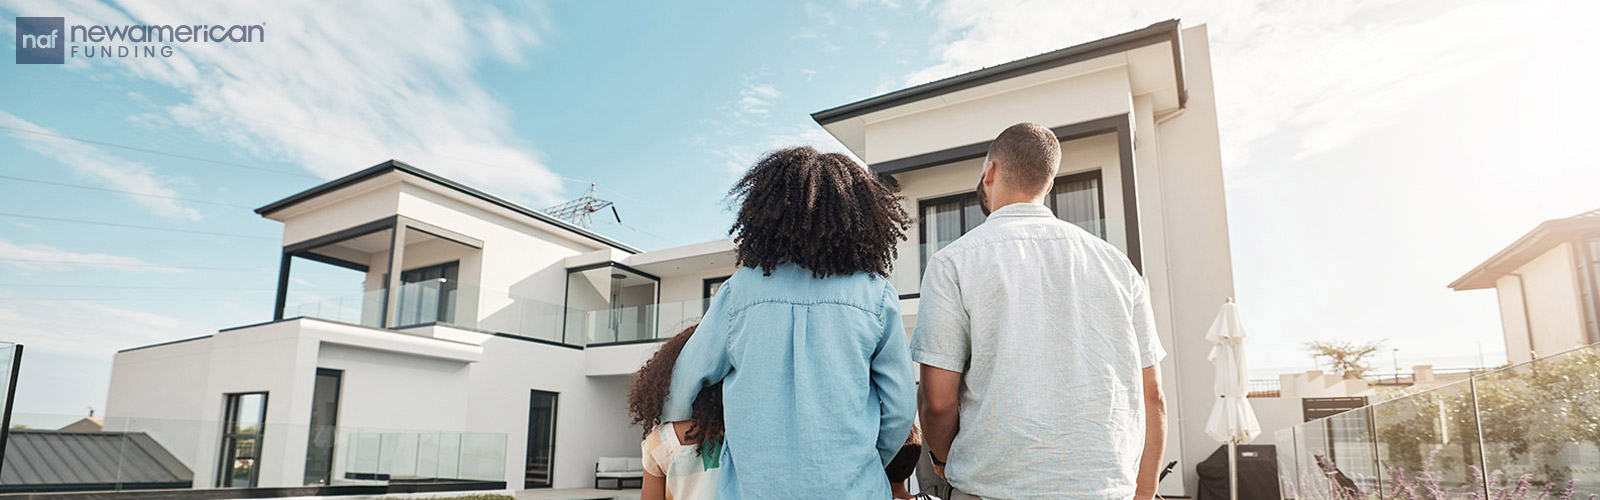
(1038, 348)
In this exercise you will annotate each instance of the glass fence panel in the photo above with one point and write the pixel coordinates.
(1353, 450)
(1429, 441)
(1288, 468)
(482, 456)
(1541, 423)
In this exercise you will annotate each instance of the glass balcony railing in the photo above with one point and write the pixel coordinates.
(1508, 434)
(150, 453)
(469, 306)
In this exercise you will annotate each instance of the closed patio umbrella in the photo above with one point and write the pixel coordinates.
(1232, 420)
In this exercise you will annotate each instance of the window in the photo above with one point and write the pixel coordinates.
(428, 294)
(541, 440)
(709, 290)
(1074, 198)
(609, 303)
(244, 423)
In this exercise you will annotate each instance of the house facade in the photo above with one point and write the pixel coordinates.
(1546, 283)
(490, 342)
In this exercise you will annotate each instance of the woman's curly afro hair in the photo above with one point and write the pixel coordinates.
(647, 393)
(823, 212)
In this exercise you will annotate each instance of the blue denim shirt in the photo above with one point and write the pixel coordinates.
(818, 391)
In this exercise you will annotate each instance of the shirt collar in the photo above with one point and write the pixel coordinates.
(1023, 210)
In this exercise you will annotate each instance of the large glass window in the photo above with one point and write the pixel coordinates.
(244, 424)
(1074, 198)
(428, 294)
(610, 303)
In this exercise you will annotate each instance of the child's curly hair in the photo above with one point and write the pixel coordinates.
(647, 393)
(823, 212)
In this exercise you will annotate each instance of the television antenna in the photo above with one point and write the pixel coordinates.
(580, 211)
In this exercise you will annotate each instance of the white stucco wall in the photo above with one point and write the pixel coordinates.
(1548, 284)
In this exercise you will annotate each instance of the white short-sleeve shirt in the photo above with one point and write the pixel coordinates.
(1051, 328)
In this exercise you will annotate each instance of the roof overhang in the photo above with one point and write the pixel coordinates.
(383, 173)
(1154, 54)
(1537, 242)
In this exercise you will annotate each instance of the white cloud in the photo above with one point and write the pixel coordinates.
(102, 168)
(756, 100)
(340, 86)
(46, 257)
(85, 328)
(737, 158)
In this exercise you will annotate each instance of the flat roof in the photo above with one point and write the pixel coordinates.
(1541, 239)
(402, 167)
(1164, 31)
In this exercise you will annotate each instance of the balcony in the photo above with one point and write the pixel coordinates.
(442, 301)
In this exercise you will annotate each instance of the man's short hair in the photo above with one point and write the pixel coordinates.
(1029, 153)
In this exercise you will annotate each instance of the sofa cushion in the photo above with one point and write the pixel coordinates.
(636, 465)
(620, 475)
(614, 464)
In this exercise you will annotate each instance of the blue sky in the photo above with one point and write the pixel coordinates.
(1374, 149)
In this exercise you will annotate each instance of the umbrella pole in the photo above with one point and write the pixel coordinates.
(1233, 469)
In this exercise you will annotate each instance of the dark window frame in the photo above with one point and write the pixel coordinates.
(440, 309)
(705, 290)
(338, 399)
(230, 439)
(1096, 174)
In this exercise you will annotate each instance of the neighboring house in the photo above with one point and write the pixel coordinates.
(90, 423)
(59, 461)
(1547, 285)
(497, 341)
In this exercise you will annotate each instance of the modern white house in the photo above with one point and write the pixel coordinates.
(492, 342)
(1547, 283)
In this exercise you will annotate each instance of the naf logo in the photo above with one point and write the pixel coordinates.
(41, 40)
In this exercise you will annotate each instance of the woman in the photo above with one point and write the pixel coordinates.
(806, 336)
(680, 458)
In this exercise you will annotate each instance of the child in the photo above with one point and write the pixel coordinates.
(680, 458)
(903, 465)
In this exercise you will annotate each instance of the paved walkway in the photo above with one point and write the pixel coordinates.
(578, 494)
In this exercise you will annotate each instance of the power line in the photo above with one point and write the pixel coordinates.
(158, 152)
(131, 264)
(133, 193)
(643, 232)
(134, 226)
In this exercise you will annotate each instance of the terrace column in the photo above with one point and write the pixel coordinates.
(391, 294)
(283, 286)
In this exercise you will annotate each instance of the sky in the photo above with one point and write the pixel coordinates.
(1373, 150)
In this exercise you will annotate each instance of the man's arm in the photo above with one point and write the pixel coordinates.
(942, 343)
(1155, 434)
(940, 411)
